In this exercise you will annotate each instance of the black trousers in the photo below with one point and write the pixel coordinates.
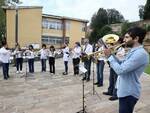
(31, 65)
(87, 65)
(76, 62)
(52, 64)
(112, 83)
(19, 62)
(126, 104)
(5, 70)
(43, 63)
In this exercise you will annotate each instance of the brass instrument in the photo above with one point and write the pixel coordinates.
(108, 39)
(100, 53)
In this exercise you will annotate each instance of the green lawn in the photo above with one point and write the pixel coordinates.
(147, 69)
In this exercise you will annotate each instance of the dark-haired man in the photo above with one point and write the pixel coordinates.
(130, 69)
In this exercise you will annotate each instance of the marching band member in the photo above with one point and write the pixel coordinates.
(65, 57)
(19, 58)
(76, 57)
(5, 59)
(87, 49)
(43, 56)
(52, 54)
(100, 65)
(30, 55)
(130, 69)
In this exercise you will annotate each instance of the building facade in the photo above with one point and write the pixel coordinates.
(27, 25)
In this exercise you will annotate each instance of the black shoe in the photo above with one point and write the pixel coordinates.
(65, 73)
(87, 80)
(7, 76)
(107, 93)
(96, 83)
(99, 85)
(113, 98)
(84, 78)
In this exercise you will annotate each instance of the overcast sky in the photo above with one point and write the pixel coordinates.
(84, 9)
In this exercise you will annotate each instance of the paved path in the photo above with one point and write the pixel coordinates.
(46, 93)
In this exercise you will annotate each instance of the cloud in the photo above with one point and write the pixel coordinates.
(84, 9)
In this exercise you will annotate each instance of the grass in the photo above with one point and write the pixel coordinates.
(147, 69)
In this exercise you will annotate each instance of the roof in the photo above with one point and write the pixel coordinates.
(64, 17)
(44, 15)
(21, 7)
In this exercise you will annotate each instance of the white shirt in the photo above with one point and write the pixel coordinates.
(76, 52)
(18, 53)
(102, 56)
(44, 53)
(30, 54)
(51, 54)
(120, 53)
(88, 48)
(4, 55)
(66, 54)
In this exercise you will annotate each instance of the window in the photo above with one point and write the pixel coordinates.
(52, 40)
(49, 24)
(83, 27)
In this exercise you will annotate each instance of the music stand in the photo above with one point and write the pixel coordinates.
(83, 70)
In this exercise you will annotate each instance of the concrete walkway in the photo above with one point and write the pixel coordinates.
(47, 93)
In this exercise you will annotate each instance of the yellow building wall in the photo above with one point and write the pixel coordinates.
(75, 33)
(29, 26)
(10, 25)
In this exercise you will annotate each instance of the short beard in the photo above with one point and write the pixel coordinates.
(129, 44)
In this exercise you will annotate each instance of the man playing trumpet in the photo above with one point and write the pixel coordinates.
(130, 69)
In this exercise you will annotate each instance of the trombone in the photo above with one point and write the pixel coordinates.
(113, 48)
(101, 53)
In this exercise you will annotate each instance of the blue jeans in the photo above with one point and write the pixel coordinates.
(126, 104)
(5, 70)
(31, 65)
(112, 83)
(100, 70)
(43, 63)
(66, 66)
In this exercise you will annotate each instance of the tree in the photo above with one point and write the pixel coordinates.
(99, 19)
(114, 16)
(102, 18)
(147, 10)
(2, 21)
(141, 11)
(104, 30)
(126, 25)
